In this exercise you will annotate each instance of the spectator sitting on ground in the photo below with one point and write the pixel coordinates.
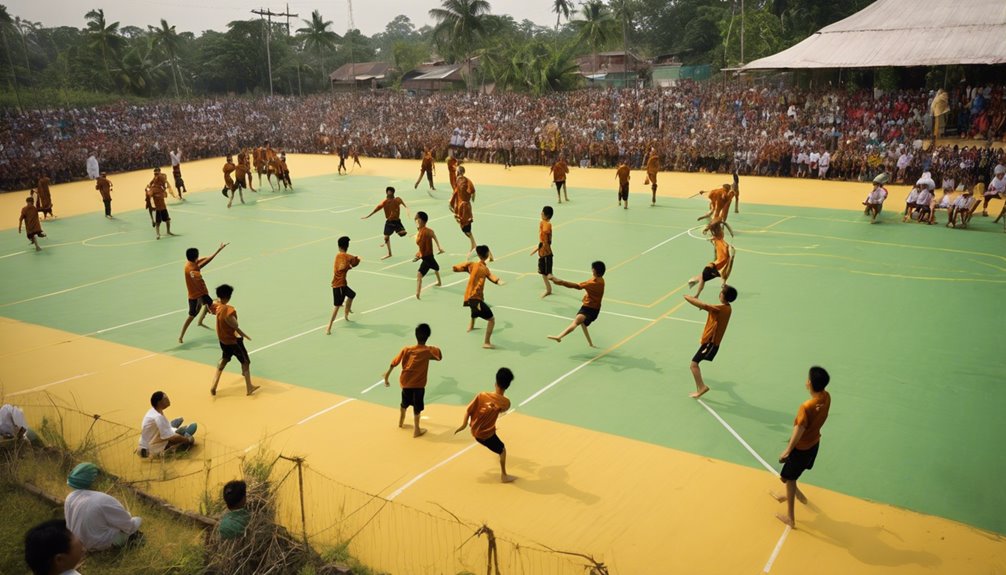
(52, 549)
(13, 425)
(235, 521)
(98, 519)
(158, 435)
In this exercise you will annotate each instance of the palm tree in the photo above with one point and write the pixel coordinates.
(562, 9)
(168, 40)
(459, 26)
(624, 13)
(103, 37)
(595, 27)
(7, 23)
(319, 38)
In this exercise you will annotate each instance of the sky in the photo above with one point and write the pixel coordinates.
(370, 16)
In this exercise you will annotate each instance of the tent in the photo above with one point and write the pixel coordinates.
(903, 33)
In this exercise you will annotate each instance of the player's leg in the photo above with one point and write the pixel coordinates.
(586, 334)
(419, 179)
(504, 477)
(437, 273)
(34, 241)
(548, 286)
(700, 386)
(558, 190)
(417, 411)
(471, 238)
(335, 313)
(246, 372)
(220, 369)
(569, 328)
(419, 284)
(387, 244)
(565, 190)
(349, 306)
(189, 318)
(486, 343)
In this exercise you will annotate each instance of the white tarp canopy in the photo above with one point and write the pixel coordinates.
(903, 33)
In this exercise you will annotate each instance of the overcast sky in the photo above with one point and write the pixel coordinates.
(370, 16)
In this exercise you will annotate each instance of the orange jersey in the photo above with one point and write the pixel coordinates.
(415, 362)
(623, 174)
(424, 239)
(392, 208)
(653, 164)
(812, 415)
(229, 168)
(104, 187)
(29, 215)
(478, 272)
(559, 171)
(544, 238)
(593, 292)
(483, 412)
(158, 195)
(722, 254)
(452, 171)
(427, 161)
(716, 198)
(716, 323)
(343, 263)
(240, 172)
(465, 189)
(463, 213)
(225, 332)
(194, 281)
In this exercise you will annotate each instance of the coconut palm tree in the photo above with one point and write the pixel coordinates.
(7, 25)
(595, 26)
(460, 24)
(319, 38)
(104, 37)
(562, 9)
(165, 38)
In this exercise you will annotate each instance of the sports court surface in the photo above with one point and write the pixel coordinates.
(612, 457)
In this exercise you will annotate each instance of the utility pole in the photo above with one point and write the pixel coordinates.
(742, 32)
(352, 56)
(268, 35)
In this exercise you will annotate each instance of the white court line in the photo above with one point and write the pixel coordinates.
(148, 356)
(379, 382)
(108, 279)
(684, 320)
(14, 254)
(531, 311)
(398, 264)
(108, 329)
(326, 410)
(359, 271)
(778, 548)
(314, 329)
(412, 481)
(667, 240)
(270, 199)
(41, 387)
(630, 316)
(739, 438)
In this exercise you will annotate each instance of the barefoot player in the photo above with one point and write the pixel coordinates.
(425, 238)
(415, 361)
(712, 334)
(544, 249)
(478, 273)
(341, 292)
(231, 339)
(392, 217)
(593, 293)
(29, 219)
(199, 296)
(483, 411)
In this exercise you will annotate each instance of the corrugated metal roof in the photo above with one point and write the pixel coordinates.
(903, 33)
(439, 72)
(347, 72)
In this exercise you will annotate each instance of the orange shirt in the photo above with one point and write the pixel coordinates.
(715, 197)
(424, 239)
(29, 214)
(343, 263)
(229, 167)
(427, 161)
(653, 163)
(483, 411)
(104, 187)
(593, 292)
(559, 171)
(415, 362)
(465, 189)
(716, 323)
(544, 238)
(478, 272)
(392, 208)
(194, 281)
(623, 174)
(158, 195)
(463, 213)
(722, 254)
(43, 185)
(240, 172)
(225, 333)
(812, 415)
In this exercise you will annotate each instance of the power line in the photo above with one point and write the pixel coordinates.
(268, 34)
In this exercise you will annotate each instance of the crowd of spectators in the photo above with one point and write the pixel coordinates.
(841, 134)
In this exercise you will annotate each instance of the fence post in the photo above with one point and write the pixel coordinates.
(300, 483)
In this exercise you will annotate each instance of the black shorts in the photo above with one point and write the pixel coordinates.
(623, 191)
(480, 309)
(560, 185)
(340, 294)
(707, 351)
(195, 304)
(413, 396)
(235, 350)
(179, 182)
(428, 263)
(799, 460)
(466, 229)
(589, 314)
(162, 216)
(394, 227)
(545, 265)
(34, 235)
(709, 272)
(493, 443)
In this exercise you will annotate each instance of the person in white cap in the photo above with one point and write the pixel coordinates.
(995, 189)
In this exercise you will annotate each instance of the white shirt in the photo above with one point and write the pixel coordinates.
(997, 186)
(98, 519)
(825, 160)
(92, 167)
(963, 202)
(814, 157)
(912, 196)
(11, 420)
(175, 158)
(876, 196)
(155, 431)
(925, 197)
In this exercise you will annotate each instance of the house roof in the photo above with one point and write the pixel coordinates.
(360, 71)
(903, 33)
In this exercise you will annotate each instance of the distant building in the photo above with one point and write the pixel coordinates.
(606, 69)
(666, 71)
(437, 76)
(360, 75)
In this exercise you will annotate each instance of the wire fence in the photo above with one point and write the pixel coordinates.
(387, 536)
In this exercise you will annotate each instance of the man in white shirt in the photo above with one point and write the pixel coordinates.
(875, 201)
(52, 549)
(97, 518)
(996, 188)
(822, 166)
(813, 158)
(157, 434)
(13, 425)
(176, 171)
(92, 167)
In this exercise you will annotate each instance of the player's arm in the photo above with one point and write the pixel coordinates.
(394, 363)
(233, 322)
(495, 279)
(203, 262)
(700, 304)
(798, 431)
(460, 267)
(20, 221)
(565, 283)
(468, 416)
(379, 206)
(440, 250)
